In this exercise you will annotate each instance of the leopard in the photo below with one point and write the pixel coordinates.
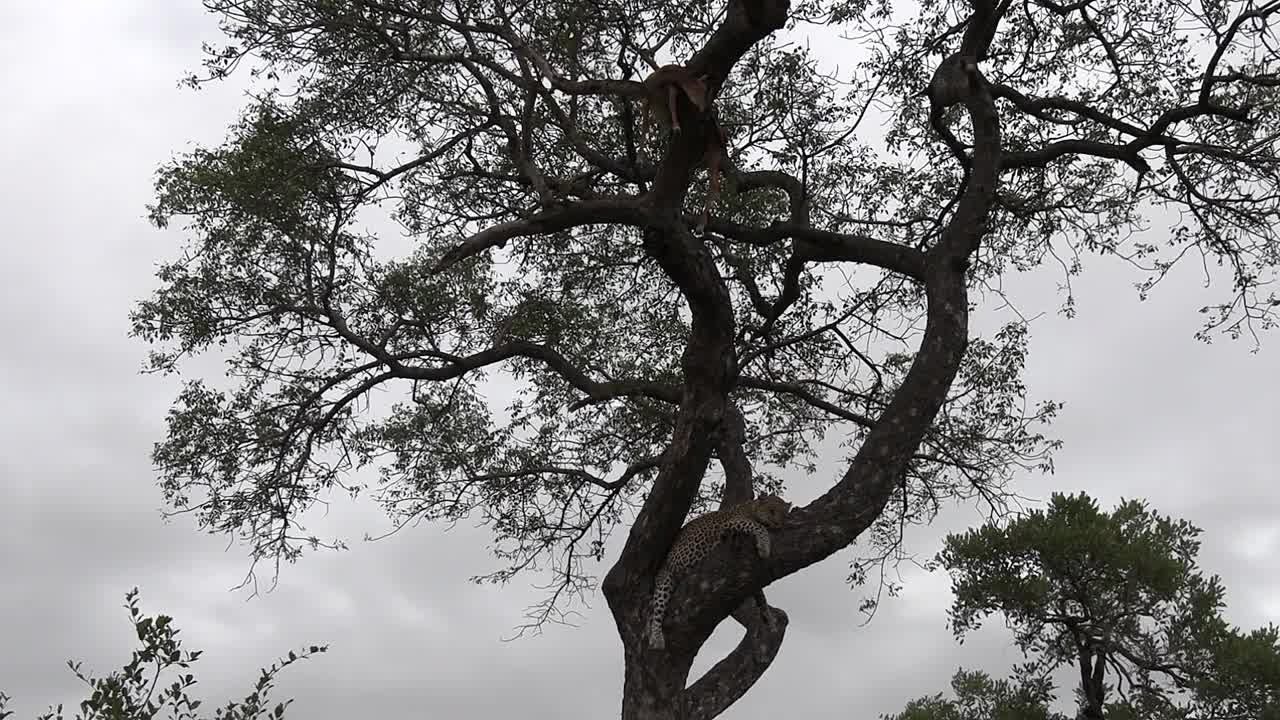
(696, 540)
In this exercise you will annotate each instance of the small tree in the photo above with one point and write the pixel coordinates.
(151, 685)
(1118, 597)
(552, 245)
(978, 697)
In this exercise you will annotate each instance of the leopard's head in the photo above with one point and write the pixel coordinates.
(770, 510)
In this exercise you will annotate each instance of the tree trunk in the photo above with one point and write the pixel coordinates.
(652, 690)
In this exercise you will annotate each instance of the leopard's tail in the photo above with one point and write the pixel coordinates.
(661, 594)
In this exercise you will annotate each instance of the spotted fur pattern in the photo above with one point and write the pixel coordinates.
(695, 541)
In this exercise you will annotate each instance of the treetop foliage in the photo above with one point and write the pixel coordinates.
(1119, 596)
(571, 359)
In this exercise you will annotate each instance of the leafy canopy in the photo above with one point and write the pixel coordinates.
(1119, 596)
(534, 341)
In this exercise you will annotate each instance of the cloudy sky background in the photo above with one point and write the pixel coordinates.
(89, 106)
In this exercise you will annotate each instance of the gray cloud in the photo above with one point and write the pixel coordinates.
(1151, 413)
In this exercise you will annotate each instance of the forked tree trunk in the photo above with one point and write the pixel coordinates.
(654, 681)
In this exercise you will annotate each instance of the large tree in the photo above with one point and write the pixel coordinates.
(572, 359)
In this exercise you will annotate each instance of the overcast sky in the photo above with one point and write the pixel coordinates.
(89, 106)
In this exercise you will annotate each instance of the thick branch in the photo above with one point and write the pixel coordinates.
(821, 246)
(834, 520)
(1042, 157)
(797, 198)
(606, 391)
(738, 481)
(730, 679)
(624, 210)
(710, 370)
(827, 246)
